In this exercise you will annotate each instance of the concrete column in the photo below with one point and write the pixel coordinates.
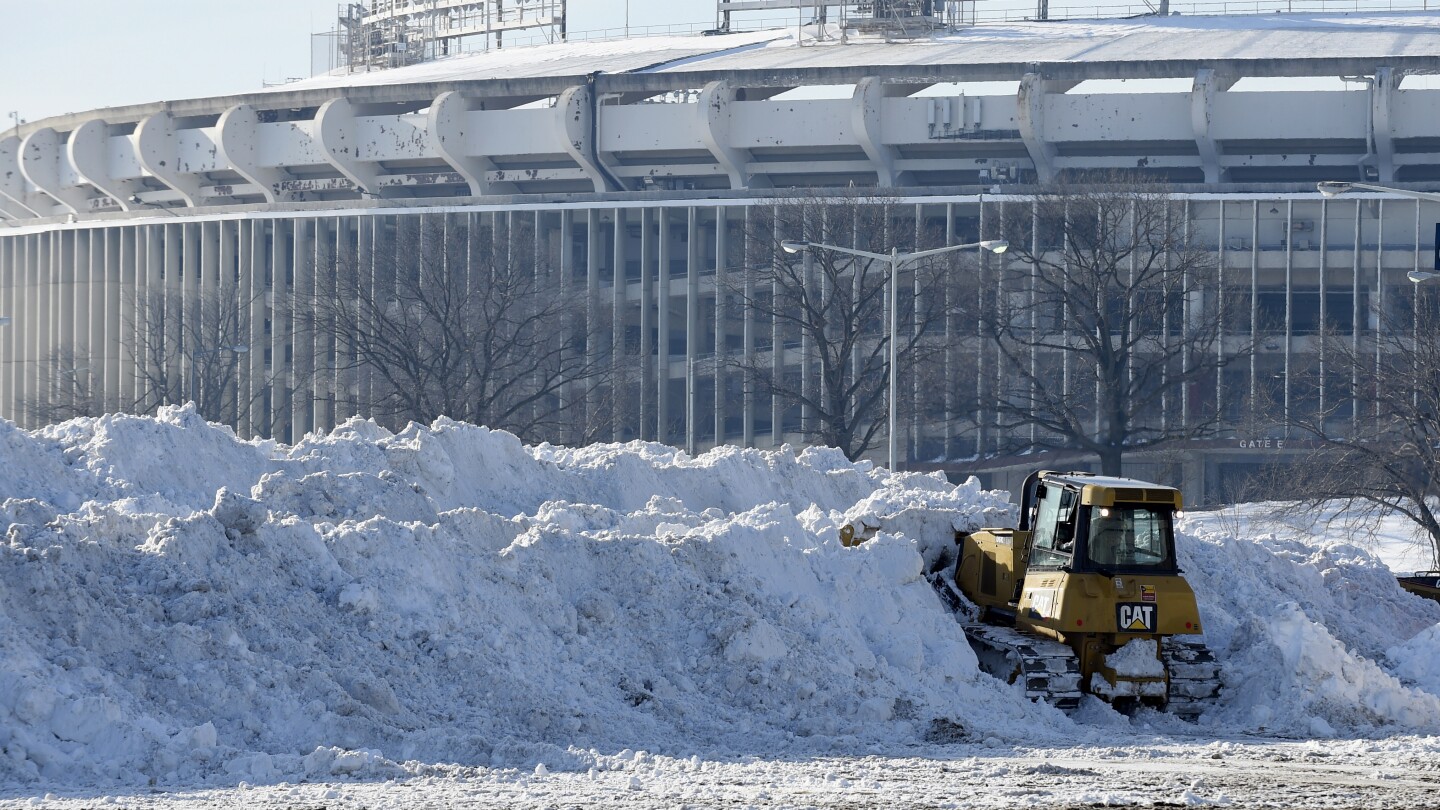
(622, 365)
(7, 331)
(590, 412)
(47, 278)
(1289, 296)
(807, 343)
(172, 315)
(28, 326)
(692, 328)
(150, 338)
(368, 248)
(302, 366)
(342, 344)
(722, 264)
(83, 317)
(662, 329)
(130, 293)
(1359, 314)
(187, 297)
(951, 358)
(281, 267)
(648, 348)
(777, 351)
(119, 275)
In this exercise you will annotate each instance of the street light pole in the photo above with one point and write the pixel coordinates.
(896, 259)
(1332, 189)
(893, 438)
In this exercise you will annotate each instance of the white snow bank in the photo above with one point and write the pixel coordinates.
(1417, 661)
(1302, 626)
(180, 605)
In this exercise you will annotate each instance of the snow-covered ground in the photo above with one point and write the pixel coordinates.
(1393, 539)
(446, 617)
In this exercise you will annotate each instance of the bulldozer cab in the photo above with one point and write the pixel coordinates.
(1084, 523)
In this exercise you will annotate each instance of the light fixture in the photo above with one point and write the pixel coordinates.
(1334, 188)
(895, 259)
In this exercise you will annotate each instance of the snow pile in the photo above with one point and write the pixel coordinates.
(1302, 627)
(179, 605)
(183, 607)
(1414, 662)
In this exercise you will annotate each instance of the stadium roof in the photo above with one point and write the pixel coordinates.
(1259, 45)
(1151, 40)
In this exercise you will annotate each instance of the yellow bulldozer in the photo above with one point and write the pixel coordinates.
(1085, 596)
(1422, 583)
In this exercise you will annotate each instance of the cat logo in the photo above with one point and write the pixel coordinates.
(1135, 617)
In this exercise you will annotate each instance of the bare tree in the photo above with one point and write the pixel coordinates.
(71, 393)
(449, 320)
(1099, 321)
(191, 349)
(1375, 442)
(829, 311)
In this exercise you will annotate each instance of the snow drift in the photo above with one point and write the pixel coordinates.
(178, 606)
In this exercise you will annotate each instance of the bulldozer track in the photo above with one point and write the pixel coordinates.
(1048, 669)
(1194, 675)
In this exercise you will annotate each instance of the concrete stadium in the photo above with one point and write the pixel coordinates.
(634, 164)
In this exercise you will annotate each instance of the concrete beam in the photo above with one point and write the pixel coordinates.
(716, 113)
(1382, 131)
(40, 155)
(15, 200)
(782, 78)
(448, 126)
(158, 148)
(237, 135)
(1030, 115)
(89, 151)
(1202, 107)
(866, 122)
(338, 136)
(575, 125)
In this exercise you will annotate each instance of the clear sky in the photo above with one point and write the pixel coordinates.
(59, 56)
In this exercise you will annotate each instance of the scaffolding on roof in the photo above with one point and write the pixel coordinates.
(382, 34)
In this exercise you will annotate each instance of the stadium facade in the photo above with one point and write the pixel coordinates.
(637, 163)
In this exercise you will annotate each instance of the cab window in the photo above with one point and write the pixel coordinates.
(1129, 538)
(1054, 541)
